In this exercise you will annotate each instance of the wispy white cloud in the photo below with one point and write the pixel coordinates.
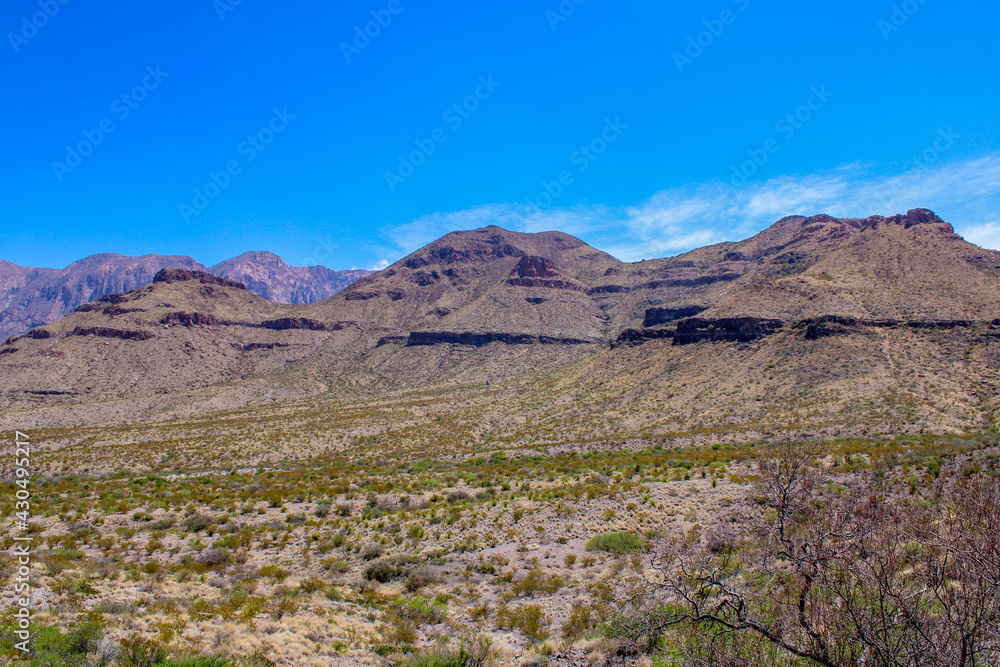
(986, 235)
(966, 193)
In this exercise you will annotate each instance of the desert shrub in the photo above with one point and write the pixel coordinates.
(196, 523)
(214, 557)
(535, 582)
(334, 565)
(422, 610)
(622, 542)
(234, 541)
(372, 551)
(54, 647)
(838, 579)
(421, 577)
(529, 619)
(398, 632)
(383, 571)
(439, 657)
(284, 606)
(135, 651)
(581, 619)
(458, 496)
(162, 524)
(275, 572)
(216, 661)
(311, 585)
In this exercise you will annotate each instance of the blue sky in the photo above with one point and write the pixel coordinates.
(213, 127)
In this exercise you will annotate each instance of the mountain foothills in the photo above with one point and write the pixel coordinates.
(816, 327)
(31, 297)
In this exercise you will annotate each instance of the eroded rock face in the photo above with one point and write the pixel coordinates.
(733, 329)
(286, 323)
(656, 316)
(696, 281)
(540, 272)
(190, 319)
(535, 267)
(917, 216)
(640, 336)
(105, 332)
(248, 347)
(837, 325)
(177, 275)
(609, 289)
(362, 296)
(479, 339)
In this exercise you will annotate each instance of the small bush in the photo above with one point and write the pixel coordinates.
(383, 571)
(421, 577)
(529, 619)
(617, 543)
(437, 658)
(196, 523)
(138, 652)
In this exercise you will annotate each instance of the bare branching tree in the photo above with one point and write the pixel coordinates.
(827, 575)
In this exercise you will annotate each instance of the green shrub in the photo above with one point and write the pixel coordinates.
(138, 652)
(437, 658)
(383, 571)
(52, 646)
(617, 543)
(529, 619)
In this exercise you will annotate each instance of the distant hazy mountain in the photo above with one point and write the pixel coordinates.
(31, 297)
(266, 275)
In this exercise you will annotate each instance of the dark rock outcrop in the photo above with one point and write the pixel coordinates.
(247, 347)
(609, 289)
(105, 332)
(392, 340)
(639, 336)
(838, 325)
(190, 319)
(540, 272)
(733, 329)
(656, 316)
(286, 323)
(417, 338)
(362, 296)
(697, 281)
(913, 217)
(111, 311)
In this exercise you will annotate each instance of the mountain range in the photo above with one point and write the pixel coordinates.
(815, 327)
(31, 297)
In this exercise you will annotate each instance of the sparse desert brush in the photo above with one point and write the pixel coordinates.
(529, 619)
(275, 572)
(383, 571)
(618, 543)
(536, 582)
(421, 577)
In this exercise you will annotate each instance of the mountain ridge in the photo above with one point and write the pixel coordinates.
(816, 325)
(31, 297)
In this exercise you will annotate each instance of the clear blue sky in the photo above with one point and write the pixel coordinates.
(319, 193)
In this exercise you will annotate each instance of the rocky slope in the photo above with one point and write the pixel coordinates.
(814, 327)
(31, 297)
